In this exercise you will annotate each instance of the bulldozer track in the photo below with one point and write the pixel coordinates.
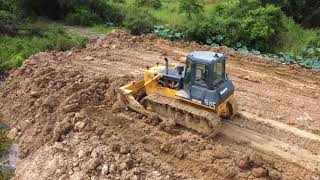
(183, 113)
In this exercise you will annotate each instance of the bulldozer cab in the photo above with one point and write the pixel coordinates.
(204, 69)
(205, 78)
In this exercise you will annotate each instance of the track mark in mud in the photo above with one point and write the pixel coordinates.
(273, 146)
(280, 131)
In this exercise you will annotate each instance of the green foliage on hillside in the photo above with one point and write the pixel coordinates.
(148, 3)
(139, 21)
(247, 23)
(83, 17)
(14, 50)
(191, 7)
(85, 12)
(305, 12)
(8, 23)
(8, 5)
(4, 142)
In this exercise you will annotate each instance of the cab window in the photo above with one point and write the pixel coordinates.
(201, 77)
(188, 72)
(218, 73)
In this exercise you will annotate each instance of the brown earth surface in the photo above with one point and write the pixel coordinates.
(60, 103)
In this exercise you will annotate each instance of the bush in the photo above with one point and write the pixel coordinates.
(8, 23)
(8, 5)
(14, 50)
(75, 12)
(305, 12)
(246, 22)
(263, 26)
(4, 142)
(191, 6)
(115, 15)
(156, 4)
(139, 21)
(313, 48)
(196, 29)
(83, 17)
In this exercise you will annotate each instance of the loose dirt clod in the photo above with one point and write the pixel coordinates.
(72, 127)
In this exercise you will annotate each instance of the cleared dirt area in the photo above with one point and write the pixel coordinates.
(60, 105)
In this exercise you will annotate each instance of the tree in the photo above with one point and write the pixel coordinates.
(305, 12)
(191, 7)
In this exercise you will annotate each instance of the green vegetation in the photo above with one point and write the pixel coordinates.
(5, 172)
(4, 142)
(247, 25)
(190, 7)
(139, 21)
(305, 12)
(156, 4)
(83, 17)
(14, 50)
(256, 26)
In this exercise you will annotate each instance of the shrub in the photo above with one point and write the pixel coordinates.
(156, 4)
(191, 7)
(313, 48)
(8, 5)
(262, 27)
(8, 23)
(78, 12)
(14, 50)
(196, 29)
(115, 15)
(118, 1)
(139, 21)
(246, 22)
(4, 141)
(83, 17)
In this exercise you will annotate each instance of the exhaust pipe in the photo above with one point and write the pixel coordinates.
(167, 65)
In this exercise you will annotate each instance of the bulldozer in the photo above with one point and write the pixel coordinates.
(197, 95)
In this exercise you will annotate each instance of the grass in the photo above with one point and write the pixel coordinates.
(32, 39)
(297, 37)
(43, 35)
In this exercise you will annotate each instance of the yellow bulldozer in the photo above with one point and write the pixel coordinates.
(196, 95)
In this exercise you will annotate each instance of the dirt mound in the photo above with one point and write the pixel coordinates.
(61, 105)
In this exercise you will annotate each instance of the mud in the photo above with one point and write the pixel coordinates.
(61, 104)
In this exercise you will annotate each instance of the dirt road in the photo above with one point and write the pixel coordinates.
(61, 106)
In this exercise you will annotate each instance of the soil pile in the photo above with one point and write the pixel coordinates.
(61, 106)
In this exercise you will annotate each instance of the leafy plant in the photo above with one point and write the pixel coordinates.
(165, 32)
(4, 141)
(8, 5)
(156, 4)
(14, 50)
(190, 7)
(8, 23)
(83, 17)
(139, 21)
